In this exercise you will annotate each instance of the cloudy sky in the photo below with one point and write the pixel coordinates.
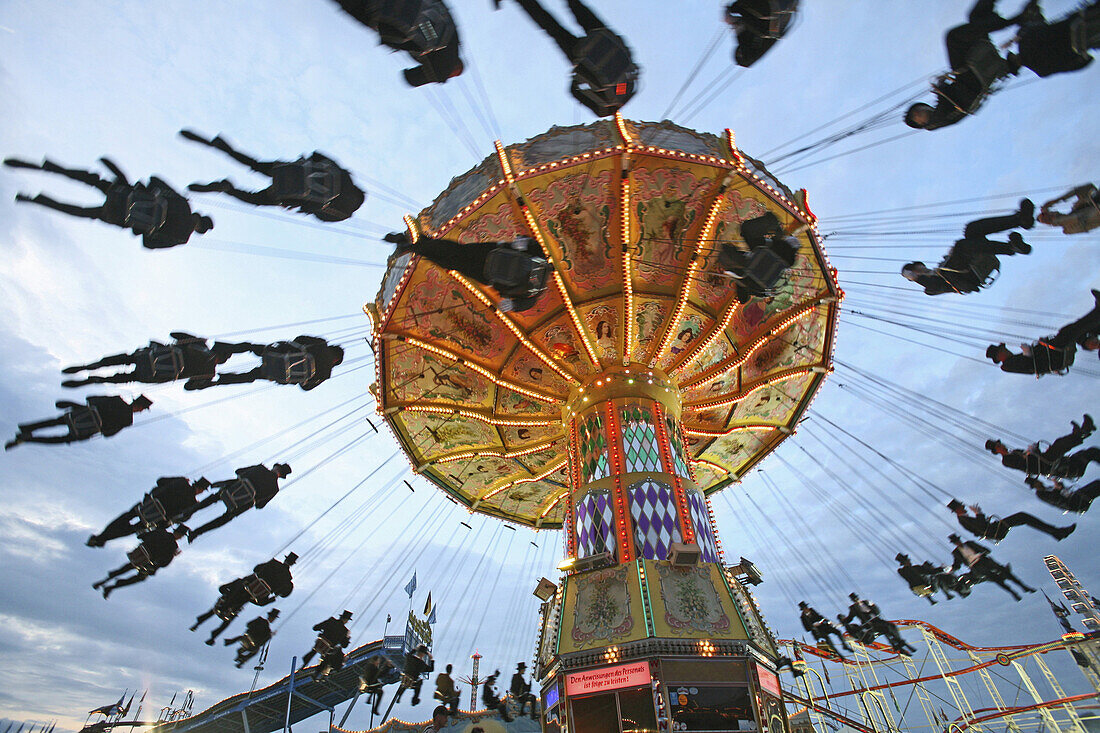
(823, 516)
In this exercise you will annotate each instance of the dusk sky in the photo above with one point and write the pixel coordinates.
(821, 517)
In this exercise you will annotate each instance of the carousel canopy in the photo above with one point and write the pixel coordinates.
(632, 217)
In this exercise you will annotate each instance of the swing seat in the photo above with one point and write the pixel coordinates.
(240, 494)
(433, 30)
(145, 211)
(84, 422)
(293, 368)
(306, 181)
(516, 273)
(258, 590)
(986, 63)
(166, 362)
(224, 610)
(763, 269)
(604, 74)
(323, 646)
(139, 558)
(772, 17)
(151, 512)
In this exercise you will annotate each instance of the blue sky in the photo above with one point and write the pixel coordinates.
(83, 79)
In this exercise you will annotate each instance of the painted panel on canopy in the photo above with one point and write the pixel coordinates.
(512, 403)
(805, 276)
(602, 321)
(525, 500)
(462, 190)
(574, 207)
(726, 383)
(649, 316)
(694, 324)
(719, 350)
(667, 202)
(473, 476)
(559, 339)
(548, 306)
(602, 607)
(494, 221)
(799, 344)
(438, 310)
(396, 268)
(750, 320)
(707, 475)
(773, 403)
(736, 449)
(434, 435)
(523, 435)
(691, 603)
(714, 418)
(671, 136)
(737, 206)
(416, 375)
(562, 142)
(526, 369)
(537, 462)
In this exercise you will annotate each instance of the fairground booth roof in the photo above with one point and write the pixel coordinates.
(632, 216)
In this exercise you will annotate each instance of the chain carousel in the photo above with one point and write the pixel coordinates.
(636, 386)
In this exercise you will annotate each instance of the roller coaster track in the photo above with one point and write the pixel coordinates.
(960, 724)
(839, 717)
(1004, 655)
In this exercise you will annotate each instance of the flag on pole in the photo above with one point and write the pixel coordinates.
(109, 709)
(123, 711)
(411, 587)
(431, 617)
(428, 604)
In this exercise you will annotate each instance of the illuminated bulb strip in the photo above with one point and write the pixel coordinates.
(410, 224)
(516, 331)
(564, 162)
(493, 453)
(490, 420)
(397, 292)
(732, 307)
(738, 396)
(673, 324)
(505, 166)
(624, 133)
(628, 267)
(481, 370)
(732, 362)
(488, 194)
(493, 492)
(533, 227)
(553, 504)
(716, 332)
(701, 433)
(478, 368)
(712, 464)
(589, 349)
(678, 311)
(731, 146)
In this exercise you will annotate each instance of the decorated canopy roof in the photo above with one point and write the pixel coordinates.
(632, 216)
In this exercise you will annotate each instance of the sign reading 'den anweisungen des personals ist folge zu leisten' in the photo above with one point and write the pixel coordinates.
(634, 674)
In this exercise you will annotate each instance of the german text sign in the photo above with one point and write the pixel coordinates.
(634, 674)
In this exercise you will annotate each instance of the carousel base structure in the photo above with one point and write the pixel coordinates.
(647, 645)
